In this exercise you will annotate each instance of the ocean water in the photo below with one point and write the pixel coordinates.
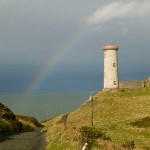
(44, 105)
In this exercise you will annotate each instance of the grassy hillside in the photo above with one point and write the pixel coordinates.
(112, 107)
(29, 121)
(122, 116)
(9, 122)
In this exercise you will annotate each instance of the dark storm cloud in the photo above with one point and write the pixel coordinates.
(34, 31)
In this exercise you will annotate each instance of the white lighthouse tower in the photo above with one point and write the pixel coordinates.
(111, 80)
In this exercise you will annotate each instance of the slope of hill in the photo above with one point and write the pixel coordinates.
(9, 122)
(122, 116)
(28, 121)
(112, 107)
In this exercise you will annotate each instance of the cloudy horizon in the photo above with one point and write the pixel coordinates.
(64, 40)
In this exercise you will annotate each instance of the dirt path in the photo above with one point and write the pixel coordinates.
(34, 140)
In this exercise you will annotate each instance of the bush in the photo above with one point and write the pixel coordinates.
(90, 134)
(128, 144)
(93, 133)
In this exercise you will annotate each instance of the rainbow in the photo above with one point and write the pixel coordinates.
(57, 58)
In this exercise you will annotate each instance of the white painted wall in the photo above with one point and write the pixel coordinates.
(111, 80)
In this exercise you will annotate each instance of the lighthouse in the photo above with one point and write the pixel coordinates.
(111, 79)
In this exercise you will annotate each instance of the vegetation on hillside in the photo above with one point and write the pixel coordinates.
(112, 106)
(29, 121)
(123, 116)
(9, 122)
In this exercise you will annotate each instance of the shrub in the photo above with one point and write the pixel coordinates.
(128, 144)
(90, 134)
(93, 133)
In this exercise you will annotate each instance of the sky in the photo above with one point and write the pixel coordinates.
(50, 45)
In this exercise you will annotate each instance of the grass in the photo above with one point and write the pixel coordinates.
(143, 123)
(112, 107)
(9, 122)
(122, 115)
(29, 121)
(5, 127)
(63, 137)
(122, 132)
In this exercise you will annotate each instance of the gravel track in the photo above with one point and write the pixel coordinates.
(34, 140)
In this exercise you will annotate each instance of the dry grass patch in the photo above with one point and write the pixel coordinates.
(30, 121)
(63, 137)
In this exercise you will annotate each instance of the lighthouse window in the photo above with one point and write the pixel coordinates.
(114, 82)
(114, 65)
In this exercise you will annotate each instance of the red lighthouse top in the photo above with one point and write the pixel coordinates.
(110, 47)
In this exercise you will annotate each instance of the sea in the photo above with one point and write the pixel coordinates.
(44, 105)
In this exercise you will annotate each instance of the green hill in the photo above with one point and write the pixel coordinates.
(122, 116)
(110, 107)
